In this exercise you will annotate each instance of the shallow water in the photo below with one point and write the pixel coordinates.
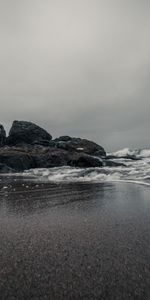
(74, 240)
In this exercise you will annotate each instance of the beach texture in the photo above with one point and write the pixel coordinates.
(74, 241)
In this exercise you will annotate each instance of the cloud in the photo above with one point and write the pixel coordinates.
(77, 67)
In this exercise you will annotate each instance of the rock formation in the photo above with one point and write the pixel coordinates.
(29, 146)
(85, 161)
(2, 136)
(28, 133)
(79, 145)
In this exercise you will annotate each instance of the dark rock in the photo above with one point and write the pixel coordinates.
(50, 157)
(2, 136)
(64, 138)
(27, 132)
(5, 169)
(29, 146)
(85, 161)
(25, 157)
(44, 143)
(17, 160)
(80, 145)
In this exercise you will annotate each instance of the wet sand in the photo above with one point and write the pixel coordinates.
(74, 241)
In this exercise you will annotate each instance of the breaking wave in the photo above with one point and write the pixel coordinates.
(137, 153)
(135, 169)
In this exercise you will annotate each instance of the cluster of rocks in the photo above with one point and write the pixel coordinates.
(30, 146)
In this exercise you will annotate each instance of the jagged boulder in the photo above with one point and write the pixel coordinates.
(2, 136)
(80, 145)
(82, 160)
(28, 133)
(49, 157)
(25, 156)
(16, 159)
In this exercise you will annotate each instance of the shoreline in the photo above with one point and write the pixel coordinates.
(75, 241)
(35, 180)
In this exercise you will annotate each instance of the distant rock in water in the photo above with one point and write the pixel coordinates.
(27, 132)
(2, 135)
(30, 146)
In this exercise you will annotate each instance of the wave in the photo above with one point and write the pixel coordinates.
(128, 170)
(131, 174)
(126, 152)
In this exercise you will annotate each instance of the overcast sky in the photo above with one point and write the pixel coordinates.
(78, 67)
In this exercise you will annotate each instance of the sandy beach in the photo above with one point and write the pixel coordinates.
(74, 241)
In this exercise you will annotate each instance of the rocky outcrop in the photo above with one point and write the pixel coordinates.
(26, 157)
(80, 145)
(22, 158)
(2, 136)
(29, 146)
(49, 157)
(85, 161)
(15, 158)
(28, 133)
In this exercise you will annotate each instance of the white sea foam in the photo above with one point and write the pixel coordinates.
(136, 170)
(126, 152)
(137, 153)
(145, 153)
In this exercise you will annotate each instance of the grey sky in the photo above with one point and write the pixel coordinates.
(78, 67)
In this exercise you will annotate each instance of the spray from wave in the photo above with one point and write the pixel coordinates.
(137, 153)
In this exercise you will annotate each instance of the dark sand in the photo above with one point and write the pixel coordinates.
(74, 241)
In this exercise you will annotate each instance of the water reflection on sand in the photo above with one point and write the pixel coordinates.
(74, 241)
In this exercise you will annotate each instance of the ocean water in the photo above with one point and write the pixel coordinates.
(136, 169)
